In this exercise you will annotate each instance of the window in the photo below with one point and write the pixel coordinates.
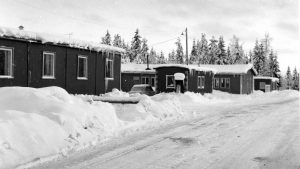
(170, 81)
(48, 65)
(227, 83)
(109, 67)
(222, 82)
(153, 79)
(216, 80)
(136, 78)
(145, 80)
(262, 85)
(6, 63)
(82, 67)
(201, 82)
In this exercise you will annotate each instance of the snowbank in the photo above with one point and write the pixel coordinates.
(43, 123)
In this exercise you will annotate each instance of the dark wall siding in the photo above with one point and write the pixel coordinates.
(75, 85)
(19, 63)
(36, 65)
(193, 81)
(161, 77)
(234, 83)
(116, 81)
(247, 87)
(100, 68)
(267, 82)
(127, 80)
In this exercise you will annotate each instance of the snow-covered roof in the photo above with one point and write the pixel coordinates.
(274, 79)
(231, 69)
(136, 68)
(58, 40)
(190, 67)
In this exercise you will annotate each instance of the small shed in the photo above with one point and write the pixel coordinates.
(181, 78)
(237, 78)
(266, 83)
(132, 74)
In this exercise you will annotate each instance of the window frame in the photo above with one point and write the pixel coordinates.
(228, 83)
(145, 77)
(170, 87)
(222, 79)
(215, 84)
(85, 66)
(53, 65)
(107, 60)
(154, 85)
(11, 68)
(202, 80)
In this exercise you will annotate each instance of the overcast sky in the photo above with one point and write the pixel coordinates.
(162, 20)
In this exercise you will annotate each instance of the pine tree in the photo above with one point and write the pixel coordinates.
(152, 56)
(179, 52)
(194, 54)
(106, 39)
(295, 80)
(135, 46)
(250, 57)
(276, 64)
(144, 51)
(118, 41)
(221, 55)
(237, 52)
(259, 58)
(228, 56)
(213, 50)
(203, 50)
(161, 59)
(171, 58)
(288, 78)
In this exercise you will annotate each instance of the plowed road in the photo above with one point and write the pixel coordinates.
(239, 136)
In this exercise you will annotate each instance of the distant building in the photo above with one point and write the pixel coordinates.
(40, 60)
(132, 74)
(181, 78)
(237, 79)
(266, 84)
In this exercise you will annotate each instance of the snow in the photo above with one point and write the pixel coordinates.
(48, 123)
(230, 69)
(274, 79)
(48, 38)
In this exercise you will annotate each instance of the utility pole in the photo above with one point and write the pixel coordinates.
(186, 46)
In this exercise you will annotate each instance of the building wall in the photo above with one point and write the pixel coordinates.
(19, 49)
(247, 85)
(35, 66)
(28, 68)
(130, 79)
(75, 85)
(161, 77)
(193, 81)
(234, 83)
(267, 82)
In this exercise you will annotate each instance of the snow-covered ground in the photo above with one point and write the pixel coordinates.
(164, 131)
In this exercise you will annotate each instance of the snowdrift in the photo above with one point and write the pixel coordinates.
(47, 123)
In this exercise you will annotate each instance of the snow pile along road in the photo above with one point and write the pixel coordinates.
(47, 123)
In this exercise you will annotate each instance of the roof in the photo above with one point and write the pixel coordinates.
(231, 69)
(17, 34)
(274, 79)
(190, 67)
(136, 68)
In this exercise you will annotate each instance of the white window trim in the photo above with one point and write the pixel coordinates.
(86, 66)
(217, 79)
(11, 76)
(198, 85)
(49, 77)
(109, 78)
(168, 87)
(229, 83)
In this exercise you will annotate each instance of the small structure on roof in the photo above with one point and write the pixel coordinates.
(181, 78)
(132, 74)
(266, 83)
(237, 79)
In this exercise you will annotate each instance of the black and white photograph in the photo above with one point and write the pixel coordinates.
(149, 84)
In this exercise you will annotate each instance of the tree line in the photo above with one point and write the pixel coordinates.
(207, 51)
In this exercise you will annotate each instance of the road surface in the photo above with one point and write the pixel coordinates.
(239, 136)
